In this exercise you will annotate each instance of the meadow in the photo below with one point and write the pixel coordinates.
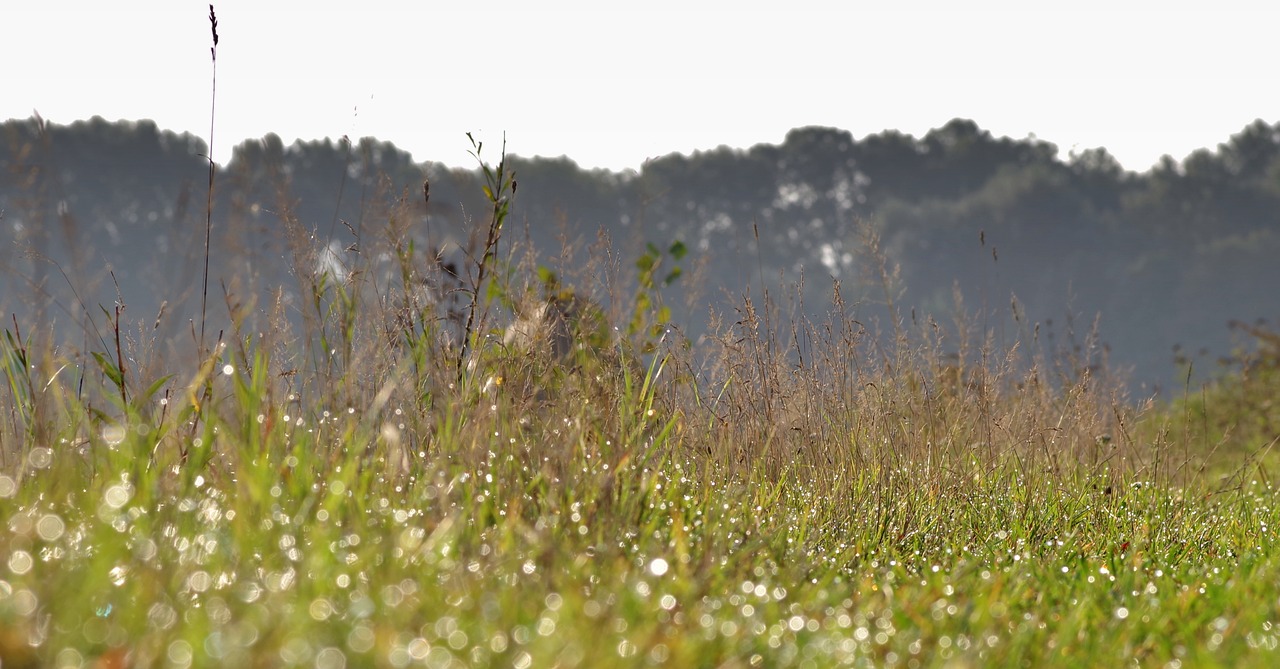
(395, 477)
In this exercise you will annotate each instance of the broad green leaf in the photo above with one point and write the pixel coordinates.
(155, 387)
(109, 369)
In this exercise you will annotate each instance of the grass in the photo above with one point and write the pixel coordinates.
(393, 482)
(838, 503)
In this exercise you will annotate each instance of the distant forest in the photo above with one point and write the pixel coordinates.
(1165, 259)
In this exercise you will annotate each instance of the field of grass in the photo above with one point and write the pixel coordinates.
(396, 483)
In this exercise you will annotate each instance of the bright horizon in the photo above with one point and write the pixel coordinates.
(613, 87)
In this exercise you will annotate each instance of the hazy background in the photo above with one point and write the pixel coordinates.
(710, 124)
(1038, 248)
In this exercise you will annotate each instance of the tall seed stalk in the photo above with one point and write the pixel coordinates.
(208, 210)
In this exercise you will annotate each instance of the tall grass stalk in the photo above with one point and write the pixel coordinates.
(208, 219)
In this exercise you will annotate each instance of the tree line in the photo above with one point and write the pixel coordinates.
(97, 211)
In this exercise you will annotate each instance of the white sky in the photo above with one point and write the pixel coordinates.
(611, 86)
